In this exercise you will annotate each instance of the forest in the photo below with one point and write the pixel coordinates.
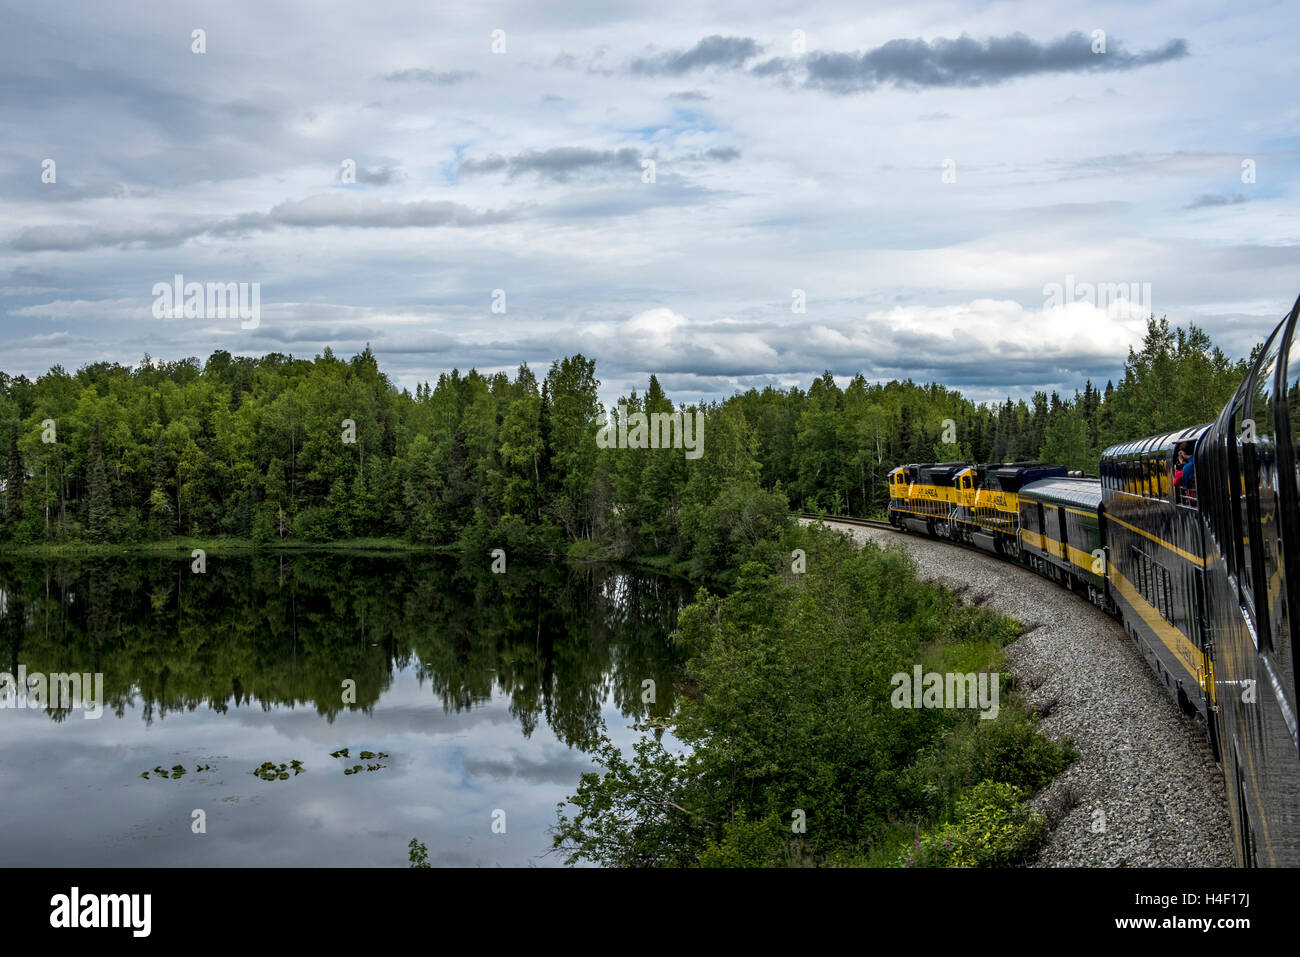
(280, 449)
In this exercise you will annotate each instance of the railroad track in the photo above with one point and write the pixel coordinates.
(844, 519)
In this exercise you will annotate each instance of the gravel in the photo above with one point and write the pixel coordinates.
(1145, 790)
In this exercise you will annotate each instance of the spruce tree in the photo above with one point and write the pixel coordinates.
(98, 505)
(14, 479)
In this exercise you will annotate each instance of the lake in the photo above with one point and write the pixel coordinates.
(475, 696)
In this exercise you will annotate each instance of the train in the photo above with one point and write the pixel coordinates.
(1204, 574)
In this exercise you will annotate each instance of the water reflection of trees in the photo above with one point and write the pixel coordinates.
(287, 630)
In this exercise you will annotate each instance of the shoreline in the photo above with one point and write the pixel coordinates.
(183, 547)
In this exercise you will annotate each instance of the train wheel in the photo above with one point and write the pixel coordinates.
(1202, 725)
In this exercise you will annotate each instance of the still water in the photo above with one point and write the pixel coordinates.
(483, 693)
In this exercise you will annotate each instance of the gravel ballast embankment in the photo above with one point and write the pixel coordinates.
(1149, 793)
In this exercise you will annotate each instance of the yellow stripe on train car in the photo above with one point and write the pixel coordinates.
(1194, 559)
(1075, 556)
(1174, 640)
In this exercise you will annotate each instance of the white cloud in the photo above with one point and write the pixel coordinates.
(228, 170)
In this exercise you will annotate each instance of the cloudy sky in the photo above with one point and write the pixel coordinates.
(726, 194)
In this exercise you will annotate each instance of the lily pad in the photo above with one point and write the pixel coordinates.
(270, 771)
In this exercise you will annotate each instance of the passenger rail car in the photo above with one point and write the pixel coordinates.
(1156, 567)
(1061, 535)
(1204, 574)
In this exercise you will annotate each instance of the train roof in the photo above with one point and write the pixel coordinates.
(1082, 492)
(1013, 476)
(1164, 443)
(942, 473)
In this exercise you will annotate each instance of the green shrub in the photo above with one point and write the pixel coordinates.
(991, 829)
(1009, 748)
(746, 843)
(314, 525)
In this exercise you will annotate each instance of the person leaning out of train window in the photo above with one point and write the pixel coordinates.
(1185, 473)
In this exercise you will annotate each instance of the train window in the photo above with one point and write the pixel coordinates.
(1266, 552)
(1219, 458)
(1243, 481)
(1293, 400)
(1197, 620)
(1232, 513)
